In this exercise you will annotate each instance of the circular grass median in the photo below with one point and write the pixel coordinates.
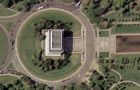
(3, 46)
(27, 45)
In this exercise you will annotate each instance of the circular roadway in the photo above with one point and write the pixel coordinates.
(89, 49)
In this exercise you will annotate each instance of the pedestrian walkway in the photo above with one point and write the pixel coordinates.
(106, 44)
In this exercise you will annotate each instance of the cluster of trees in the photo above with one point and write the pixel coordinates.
(122, 63)
(95, 8)
(99, 82)
(49, 64)
(26, 3)
(49, 24)
(24, 83)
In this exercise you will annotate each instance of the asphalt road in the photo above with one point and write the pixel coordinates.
(90, 37)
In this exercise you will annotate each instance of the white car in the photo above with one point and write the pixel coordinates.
(40, 7)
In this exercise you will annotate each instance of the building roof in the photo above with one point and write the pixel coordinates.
(54, 42)
(56, 39)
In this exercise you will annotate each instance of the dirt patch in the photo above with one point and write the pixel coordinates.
(129, 43)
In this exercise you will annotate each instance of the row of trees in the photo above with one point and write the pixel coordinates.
(24, 83)
(49, 64)
(49, 24)
(122, 63)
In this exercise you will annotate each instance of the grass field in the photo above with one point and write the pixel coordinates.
(104, 54)
(126, 29)
(7, 25)
(3, 46)
(7, 79)
(5, 12)
(130, 74)
(27, 45)
(11, 67)
(104, 33)
(133, 88)
(67, 1)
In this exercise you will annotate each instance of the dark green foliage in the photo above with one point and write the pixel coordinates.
(49, 24)
(49, 64)
(96, 8)
(20, 85)
(5, 3)
(27, 3)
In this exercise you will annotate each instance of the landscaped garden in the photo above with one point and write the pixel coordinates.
(4, 46)
(28, 44)
(128, 66)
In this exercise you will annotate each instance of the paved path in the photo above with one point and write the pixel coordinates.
(132, 22)
(117, 73)
(114, 85)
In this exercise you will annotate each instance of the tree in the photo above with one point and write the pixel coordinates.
(118, 3)
(5, 3)
(56, 64)
(1, 87)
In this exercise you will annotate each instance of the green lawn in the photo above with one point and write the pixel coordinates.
(7, 79)
(104, 33)
(104, 54)
(67, 1)
(130, 74)
(11, 67)
(27, 45)
(7, 25)
(133, 88)
(126, 29)
(5, 12)
(3, 46)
